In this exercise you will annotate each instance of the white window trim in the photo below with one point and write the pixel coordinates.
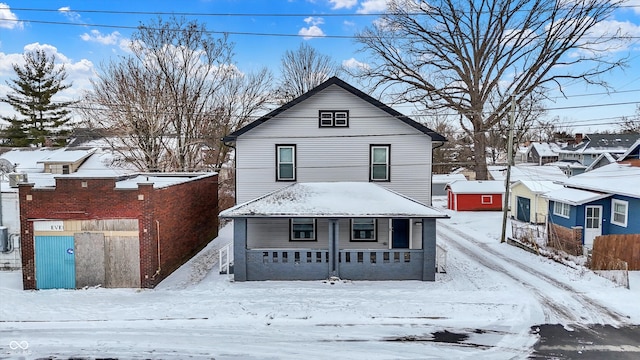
(613, 212)
(278, 162)
(332, 118)
(563, 206)
(387, 162)
(484, 202)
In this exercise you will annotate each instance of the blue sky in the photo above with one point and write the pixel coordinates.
(84, 34)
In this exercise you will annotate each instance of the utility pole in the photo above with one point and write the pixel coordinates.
(505, 205)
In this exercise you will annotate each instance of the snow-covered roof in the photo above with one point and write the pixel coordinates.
(447, 178)
(613, 178)
(539, 187)
(66, 156)
(477, 187)
(28, 159)
(159, 180)
(333, 199)
(574, 196)
(565, 165)
(527, 172)
(600, 143)
(546, 149)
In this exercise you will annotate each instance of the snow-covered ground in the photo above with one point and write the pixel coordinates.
(482, 308)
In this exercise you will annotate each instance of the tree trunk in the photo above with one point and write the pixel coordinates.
(479, 157)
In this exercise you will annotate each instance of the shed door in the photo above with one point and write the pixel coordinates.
(55, 262)
(592, 224)
(523, 209)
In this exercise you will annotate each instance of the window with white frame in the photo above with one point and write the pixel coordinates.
(379, 163)
(487, 199)
(561, 209)
(285, 162)
(619, 212)
(363, 229)
(333, 118)
(303, 229)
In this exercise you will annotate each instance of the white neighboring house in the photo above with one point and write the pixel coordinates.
(40, 166)
(334, 133)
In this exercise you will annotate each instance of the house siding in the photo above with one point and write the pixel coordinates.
(333, 154)
(274, 234)
(633, 209)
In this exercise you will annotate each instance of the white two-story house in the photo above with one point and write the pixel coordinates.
(334, 183)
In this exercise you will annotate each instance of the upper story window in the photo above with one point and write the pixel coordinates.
(619, 212)
(285, 163)
(379, 163)
(334, 118)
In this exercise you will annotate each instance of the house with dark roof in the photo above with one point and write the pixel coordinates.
(588, 148)
(334, 183)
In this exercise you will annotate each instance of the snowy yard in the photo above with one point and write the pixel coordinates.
(482, 308)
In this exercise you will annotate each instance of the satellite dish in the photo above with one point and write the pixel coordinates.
(6, 166)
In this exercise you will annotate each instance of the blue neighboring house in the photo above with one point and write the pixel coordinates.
(604, 201)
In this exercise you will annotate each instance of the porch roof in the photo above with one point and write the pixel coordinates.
(333, 200)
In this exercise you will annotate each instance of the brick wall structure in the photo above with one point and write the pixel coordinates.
(175, 221)
(566, 239)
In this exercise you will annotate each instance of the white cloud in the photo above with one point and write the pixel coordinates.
(354, 64)
(8, 20)
(634, 4)
(623, 33)
(311, 32)
(314, 20)
(372, 6)
(71, 15)
(343, 4)
(98, 37)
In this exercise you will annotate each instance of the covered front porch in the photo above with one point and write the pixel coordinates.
(358, 231)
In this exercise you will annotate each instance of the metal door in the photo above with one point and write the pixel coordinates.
(400, 239)
(55, 262)
(592, 224)
(523, 209)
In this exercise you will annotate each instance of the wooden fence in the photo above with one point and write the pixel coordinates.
(610, 250)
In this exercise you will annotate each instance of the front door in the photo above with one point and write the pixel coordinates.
(523, 210)
(592, 224)
(400, 237)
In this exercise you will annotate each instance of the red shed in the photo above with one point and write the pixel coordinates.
(128, 231)
(475, 195)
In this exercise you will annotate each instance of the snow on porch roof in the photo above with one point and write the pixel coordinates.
(331, 200)
(573, 196)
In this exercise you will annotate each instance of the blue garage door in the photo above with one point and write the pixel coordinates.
(55, 262)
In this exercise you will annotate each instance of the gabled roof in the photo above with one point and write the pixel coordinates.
(337, 82)
(527, 172)
(633, 153)
(538, 187)
(601, 160)
(545, 149)
(65, 156)
(615, 178)
(477, 187)
(599, 143)
(333, 200)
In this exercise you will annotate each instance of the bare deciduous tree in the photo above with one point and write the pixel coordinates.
(302, 70)
(631, 124)
(470, 56)
(173, 98)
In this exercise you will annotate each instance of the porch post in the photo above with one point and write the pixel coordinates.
(334, 248)
(429, 249)
(240, 249)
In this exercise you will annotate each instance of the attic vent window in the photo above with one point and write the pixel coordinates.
(333, 118)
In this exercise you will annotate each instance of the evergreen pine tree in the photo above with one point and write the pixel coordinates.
(40, 117)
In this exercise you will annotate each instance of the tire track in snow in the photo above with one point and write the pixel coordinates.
(603, 314)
